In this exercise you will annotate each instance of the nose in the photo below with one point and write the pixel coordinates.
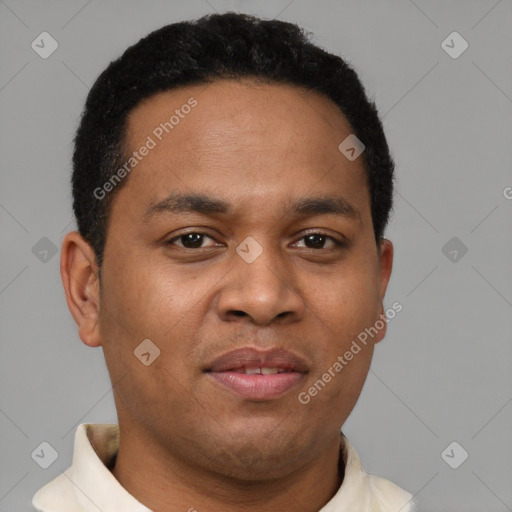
(261, 292)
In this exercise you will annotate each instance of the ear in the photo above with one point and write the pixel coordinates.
(385, 249)
(79, 273)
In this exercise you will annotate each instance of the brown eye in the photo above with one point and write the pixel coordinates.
(318, 241)
(189, 240)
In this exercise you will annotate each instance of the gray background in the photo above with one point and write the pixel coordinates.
(442, 374)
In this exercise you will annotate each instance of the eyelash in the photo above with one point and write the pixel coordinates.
(338, 243)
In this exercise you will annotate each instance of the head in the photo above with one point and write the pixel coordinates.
(237, 222)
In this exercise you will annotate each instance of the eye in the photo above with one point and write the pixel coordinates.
(317, 240)
(193, 240)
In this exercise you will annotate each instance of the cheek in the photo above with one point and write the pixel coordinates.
(159, 303)
(332, 394)
(343, 310)
(144, 305)
(346, 303)
(146, 299)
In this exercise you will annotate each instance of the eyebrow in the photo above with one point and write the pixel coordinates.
(199, 203)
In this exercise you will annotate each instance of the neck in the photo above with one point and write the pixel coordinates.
(164, 483)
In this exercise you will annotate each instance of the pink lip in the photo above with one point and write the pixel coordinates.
(228, 370)
(258, 387)
(249, 357)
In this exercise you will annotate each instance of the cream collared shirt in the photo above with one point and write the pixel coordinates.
(89, 486)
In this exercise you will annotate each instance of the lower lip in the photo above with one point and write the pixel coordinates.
(258, 387)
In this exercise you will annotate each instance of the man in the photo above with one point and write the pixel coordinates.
(231, 187)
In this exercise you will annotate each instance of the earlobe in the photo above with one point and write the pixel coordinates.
(79, 273)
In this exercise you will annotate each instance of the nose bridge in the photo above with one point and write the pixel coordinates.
(260, 266)
(261, 284)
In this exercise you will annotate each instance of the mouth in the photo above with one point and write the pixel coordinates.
(258, 375)
(260, 370)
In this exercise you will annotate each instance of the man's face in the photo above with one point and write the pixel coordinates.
(260, 149)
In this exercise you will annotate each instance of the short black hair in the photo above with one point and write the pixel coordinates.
(217, 46)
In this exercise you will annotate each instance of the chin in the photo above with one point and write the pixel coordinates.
(253, 457)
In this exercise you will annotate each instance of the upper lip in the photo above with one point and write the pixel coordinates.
(249, 357)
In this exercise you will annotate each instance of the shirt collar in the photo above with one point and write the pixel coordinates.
(94, 487)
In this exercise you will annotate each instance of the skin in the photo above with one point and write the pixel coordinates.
(186, 442)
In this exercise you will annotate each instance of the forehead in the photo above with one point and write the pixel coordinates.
(239, 139)
(238, 107)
